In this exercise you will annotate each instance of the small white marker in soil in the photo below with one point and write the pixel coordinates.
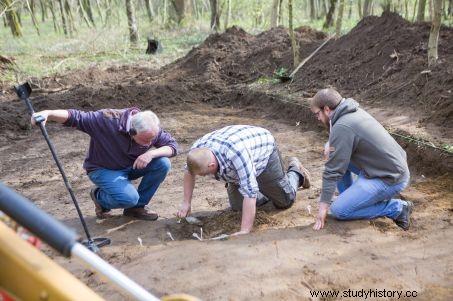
(171, 237)
(140, 241)
(196, 236)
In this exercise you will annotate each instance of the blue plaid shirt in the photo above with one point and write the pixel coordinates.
(242, 152)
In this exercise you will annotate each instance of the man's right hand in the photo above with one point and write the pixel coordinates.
(321, 218)
(184, 211)
(44, 114)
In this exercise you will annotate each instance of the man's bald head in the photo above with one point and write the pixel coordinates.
(326, 97)
(199, 161)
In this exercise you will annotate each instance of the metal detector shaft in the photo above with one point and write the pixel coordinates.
(64, 240)
(23, 92)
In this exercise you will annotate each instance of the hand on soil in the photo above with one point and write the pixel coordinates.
(321, 218)
(184, 211)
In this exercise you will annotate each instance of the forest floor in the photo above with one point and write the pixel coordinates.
(227, 80)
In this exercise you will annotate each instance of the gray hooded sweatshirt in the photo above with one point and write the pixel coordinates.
(357, 138)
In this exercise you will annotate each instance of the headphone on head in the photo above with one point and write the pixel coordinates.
(132, 132)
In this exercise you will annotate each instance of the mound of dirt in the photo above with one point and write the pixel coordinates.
(383, 61)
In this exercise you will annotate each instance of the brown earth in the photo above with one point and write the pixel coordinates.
(215, 85)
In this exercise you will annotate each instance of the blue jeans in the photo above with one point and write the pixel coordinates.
(117, 191)
(366, 198)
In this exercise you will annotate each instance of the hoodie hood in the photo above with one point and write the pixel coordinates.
(346, 106)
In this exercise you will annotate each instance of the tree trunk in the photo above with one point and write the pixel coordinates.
(83, 13)
(98, 6)
(366, 8)
(350, 9)
(44, 16)
(149, 10)
(215, 15)
(339, 18)
(180, 9)
(54, 17)
(434, 33)
(421, 11)
(450, 8)
(329, 17)
(294, 45)
(131, 23)
(387, 5)
(228, 14)
(33, 18)
(86, 4)
(70, 17)
(406, 9)
(280, 14)
(275, 13)
(63, 17)
(359, 7)
(13, 19)
(312, 10)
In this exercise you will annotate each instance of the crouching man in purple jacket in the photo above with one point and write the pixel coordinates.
(125, 145)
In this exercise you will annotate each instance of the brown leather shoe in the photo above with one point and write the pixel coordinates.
(101, 212)
(141, 213)
(294, 164)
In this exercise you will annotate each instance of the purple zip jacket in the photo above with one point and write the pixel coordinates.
(111, 146)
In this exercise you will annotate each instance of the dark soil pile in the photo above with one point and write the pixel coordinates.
(384, 61)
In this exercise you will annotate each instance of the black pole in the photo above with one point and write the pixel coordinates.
(24, 91)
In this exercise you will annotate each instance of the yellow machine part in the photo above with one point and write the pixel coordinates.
(28, 274)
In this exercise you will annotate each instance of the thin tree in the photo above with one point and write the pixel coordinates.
(312, 10)
(367, 8)
(450, 8)
(339, 18)
(56, 28)
(83, 13)
(434, 33)
(70, 17)
(215, 15)
(13, 19)
(421, 11)
(329, 17)
(275, 12)
(33, 18)
(86, 5)
(131, 23)
(228, 14)
(149, 10)
(292, 37)
(415, 10)
(63, 17)
(44, 16)
(359, 7)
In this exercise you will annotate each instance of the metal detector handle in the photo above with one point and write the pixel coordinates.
(47, 228)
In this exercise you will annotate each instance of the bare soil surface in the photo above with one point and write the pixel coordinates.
(215, 85)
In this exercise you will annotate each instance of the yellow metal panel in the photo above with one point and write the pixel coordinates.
(28, 274)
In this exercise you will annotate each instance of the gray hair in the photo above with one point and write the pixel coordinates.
(145, 121)
(326, 97)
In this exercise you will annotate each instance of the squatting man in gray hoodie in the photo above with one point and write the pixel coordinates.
(359, 144)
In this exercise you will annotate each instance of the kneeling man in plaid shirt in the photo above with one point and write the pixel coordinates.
(248, 159)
